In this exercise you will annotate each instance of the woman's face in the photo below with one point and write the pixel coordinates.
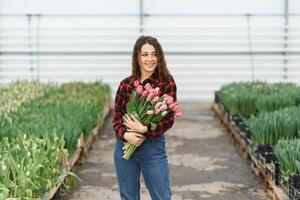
(148, 59)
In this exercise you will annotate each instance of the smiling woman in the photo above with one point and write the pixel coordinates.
(149, 70)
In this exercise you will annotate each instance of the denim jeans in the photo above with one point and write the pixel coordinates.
(150, 159)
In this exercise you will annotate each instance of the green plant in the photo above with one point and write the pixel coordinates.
(268, 128)
(40, 123)
(30, 166)
(288, 154)
(247, 98)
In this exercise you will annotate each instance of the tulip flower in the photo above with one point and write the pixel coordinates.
(150, 112)
(139, 90)
(156, 91)
(169, 99)
(144, 93)
(157, 105)
(163, 107)
(178, 114)
(148, 86)
(155, 99)
(172, 105)
(176, 108)
(164, 113)
(157, 111)
(136, 83)
(150, 97)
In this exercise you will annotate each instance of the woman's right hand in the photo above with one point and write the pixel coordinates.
(134, 138)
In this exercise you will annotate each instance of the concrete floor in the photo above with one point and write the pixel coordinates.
(203, 164)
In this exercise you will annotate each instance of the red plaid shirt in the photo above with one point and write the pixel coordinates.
(166, 86)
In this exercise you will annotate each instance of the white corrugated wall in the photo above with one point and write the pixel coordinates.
(207, 43)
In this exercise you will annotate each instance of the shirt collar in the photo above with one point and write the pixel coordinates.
(153, 79)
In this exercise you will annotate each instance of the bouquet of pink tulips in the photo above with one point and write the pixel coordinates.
(149, 108)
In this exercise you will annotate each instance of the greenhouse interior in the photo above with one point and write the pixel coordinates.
(149, 100)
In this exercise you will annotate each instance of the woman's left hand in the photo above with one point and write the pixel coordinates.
(134, 124)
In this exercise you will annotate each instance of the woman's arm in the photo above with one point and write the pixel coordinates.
(119, 111)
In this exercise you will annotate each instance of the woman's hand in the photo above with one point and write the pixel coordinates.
(134, 124)
(134, 138)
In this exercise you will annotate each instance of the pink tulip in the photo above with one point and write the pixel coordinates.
(157, 105)
(172, 105)
(178, 114)
(136, 83)
(156, 111)
(151, 90)
(139, 89)
(148, 86)
(144, 93)
(155, 99)
(163, 107)
(169, 99)
(150, 94)
(150, 97)
(176, 108)
(165, 96)
(156, 91)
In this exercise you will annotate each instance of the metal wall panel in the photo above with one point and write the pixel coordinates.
(205, 48)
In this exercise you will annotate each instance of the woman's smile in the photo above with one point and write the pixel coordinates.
(148, 59)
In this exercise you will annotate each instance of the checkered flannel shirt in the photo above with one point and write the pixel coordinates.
(166, 86)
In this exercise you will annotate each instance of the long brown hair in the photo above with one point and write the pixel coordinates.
(161, 64)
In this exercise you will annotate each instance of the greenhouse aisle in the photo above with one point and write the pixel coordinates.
(203, 164)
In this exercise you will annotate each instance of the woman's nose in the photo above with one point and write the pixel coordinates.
(150, 57)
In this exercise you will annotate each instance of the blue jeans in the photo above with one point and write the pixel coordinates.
(150, 158)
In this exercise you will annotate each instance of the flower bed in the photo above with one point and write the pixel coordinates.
(269, 114)
(40, 127)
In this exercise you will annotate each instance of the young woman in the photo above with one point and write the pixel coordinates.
(150, 159)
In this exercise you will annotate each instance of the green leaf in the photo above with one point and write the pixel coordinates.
(153, 126)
